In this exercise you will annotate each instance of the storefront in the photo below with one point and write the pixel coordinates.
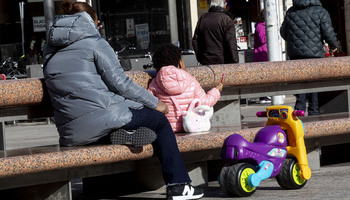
(337, 13)
(147, 23)
(23, 18)
(139, 26)
(143, 24)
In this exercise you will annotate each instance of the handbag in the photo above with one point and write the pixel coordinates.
(196, 118)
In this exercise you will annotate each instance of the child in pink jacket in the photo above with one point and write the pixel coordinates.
(173, 80)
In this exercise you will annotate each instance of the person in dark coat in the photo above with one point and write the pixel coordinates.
(95, 102)
(304, 28)
(214, 40)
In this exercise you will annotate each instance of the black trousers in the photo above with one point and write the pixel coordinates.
(311, 99)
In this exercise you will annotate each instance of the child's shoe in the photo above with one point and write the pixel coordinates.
(139, 137)
(183, 192)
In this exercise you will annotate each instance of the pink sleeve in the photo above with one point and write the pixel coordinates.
(210, 98)
(261, 34)
(262, 37)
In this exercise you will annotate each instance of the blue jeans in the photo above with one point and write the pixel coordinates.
(311, 98)
(165, 146)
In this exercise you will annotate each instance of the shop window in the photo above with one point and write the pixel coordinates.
(140, 24)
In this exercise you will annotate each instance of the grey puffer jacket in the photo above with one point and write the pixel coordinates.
(304, 28)
(89, 91)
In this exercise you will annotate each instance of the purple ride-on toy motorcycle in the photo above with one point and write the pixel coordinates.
(266, 157)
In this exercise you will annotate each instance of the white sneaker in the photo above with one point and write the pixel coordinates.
(183, 192)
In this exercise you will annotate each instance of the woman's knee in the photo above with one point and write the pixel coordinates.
(150, 118)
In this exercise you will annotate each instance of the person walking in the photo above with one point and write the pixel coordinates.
(214, 39)
(304, 28)
(260, 46)
(95, 102)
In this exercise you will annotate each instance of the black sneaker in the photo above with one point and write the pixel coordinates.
(183, 192)
(139, 137)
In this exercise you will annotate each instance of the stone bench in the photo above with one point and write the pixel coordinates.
(48, 170)
(330, 77)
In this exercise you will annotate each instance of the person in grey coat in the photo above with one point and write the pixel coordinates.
(95, 102)
(304, 28)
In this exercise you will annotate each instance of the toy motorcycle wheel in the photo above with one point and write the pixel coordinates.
(223, 179)
(289, 176)
(234, 179)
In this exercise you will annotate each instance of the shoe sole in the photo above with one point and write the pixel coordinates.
(187, 197)
(139, 137)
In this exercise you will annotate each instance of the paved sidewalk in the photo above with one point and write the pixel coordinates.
(331, 182)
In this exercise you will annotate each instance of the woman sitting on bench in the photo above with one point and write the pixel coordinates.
(95, 102)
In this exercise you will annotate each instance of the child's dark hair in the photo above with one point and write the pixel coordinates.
(166, 55)
(70, 8)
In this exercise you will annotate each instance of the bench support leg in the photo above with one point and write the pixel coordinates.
(198, 173)
(2, 135)
(333, 101)
(59, 190)
(226, 113)
(313, 157)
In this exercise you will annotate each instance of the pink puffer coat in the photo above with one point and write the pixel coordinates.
(184, 87)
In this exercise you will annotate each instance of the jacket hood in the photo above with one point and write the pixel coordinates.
(172, 80)
(306, 3)
(68, 29)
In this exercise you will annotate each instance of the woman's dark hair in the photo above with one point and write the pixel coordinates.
(166, 55)
(70, 8)
(261, 16)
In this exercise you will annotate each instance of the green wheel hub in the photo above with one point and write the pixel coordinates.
(296, 175)
(244, 179)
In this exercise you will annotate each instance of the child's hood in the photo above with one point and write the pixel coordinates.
(172, 80)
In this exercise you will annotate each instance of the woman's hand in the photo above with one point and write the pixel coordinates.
(162, 107)
(98, 24)
(220, 87)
